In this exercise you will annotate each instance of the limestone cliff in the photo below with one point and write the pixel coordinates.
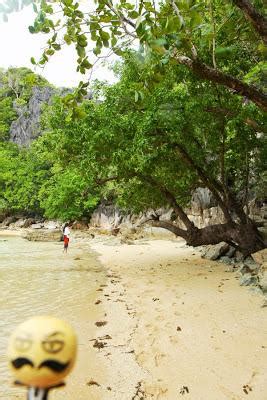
(202, 210)
(27, 126)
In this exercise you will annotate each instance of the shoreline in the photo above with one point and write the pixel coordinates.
(11, 232)
(161, 323)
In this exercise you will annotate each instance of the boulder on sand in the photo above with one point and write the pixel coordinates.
(41, 235)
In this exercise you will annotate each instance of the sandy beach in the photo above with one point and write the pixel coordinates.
(178, 326)
(154, 321)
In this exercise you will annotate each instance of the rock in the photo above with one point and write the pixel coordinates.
(203, 211)
(239, 257)
(249, 266)
(27, 127)
(41, 235)
(28, 222)
(230, 252)
(226, 260)
(126, 241)
(18, 224)
(263, 282)
(127, 231)
(79, 225)
(202, 199)
(248, 279)
(214, 252)
(261, 256)
(37, 226)
(9, 220)
(51, 225)
(108, 216)
(115, 231)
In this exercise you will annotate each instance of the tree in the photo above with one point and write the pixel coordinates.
(22, 175)
(188, 32)
(33, 182)
(147, 150)
(187, 112)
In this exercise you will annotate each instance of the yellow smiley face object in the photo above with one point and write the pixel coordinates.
(42, 351)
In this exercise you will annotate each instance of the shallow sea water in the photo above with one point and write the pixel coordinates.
(36, 278)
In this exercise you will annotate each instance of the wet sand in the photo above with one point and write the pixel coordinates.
(154, 320)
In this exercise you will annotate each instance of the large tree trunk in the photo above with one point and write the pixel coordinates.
(245, 237)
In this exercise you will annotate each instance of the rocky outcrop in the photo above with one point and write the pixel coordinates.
(251, 271)
(8, 221)
(202, 211)
(27, 126)
(263, 282)
(43, 235)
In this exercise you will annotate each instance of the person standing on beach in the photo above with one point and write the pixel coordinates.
(66, 237)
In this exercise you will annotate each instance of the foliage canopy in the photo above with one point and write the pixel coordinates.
(188, 111)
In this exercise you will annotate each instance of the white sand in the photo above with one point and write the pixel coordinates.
(181, 327)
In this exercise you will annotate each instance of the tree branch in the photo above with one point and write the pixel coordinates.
(171, 227)
(258, 21)
(123, 19)
(230, 113)
(216, 188)
(171, 200)
(213, 186)
(216, 76)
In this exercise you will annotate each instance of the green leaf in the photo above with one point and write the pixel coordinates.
(196, 19)
(82, 40)
(133, 14)
(97, 51)
(31, 29)
(80, 51)
(56, 46)
(106, 43)
(50, 52)
(86, 64)
(67, 39)
(173, 24)
(67, 2)
(114, 41)
(104, 35)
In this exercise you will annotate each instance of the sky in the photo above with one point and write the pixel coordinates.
(18, 45)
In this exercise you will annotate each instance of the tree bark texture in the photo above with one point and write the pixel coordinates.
(245, 237)
(258, 21)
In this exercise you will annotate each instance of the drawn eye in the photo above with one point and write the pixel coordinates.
(22, 343)
(53, 346)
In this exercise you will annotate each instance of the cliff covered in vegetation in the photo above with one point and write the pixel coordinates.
(22, 95)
